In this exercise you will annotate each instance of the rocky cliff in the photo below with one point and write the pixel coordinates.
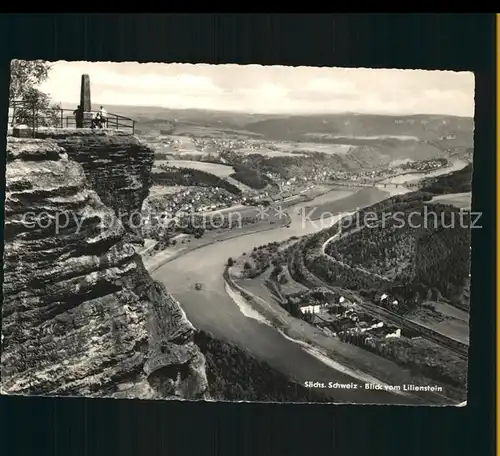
(81, 315)
(117, 165)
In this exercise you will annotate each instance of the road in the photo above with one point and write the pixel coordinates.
(215, 311)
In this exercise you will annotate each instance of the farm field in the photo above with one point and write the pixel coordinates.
(268, 152)
(444, 319)
(338, 201)
(213, 168)
(451, 311)
(356, 138)
(160, 190)
(460, 200)
(212, 132)
(314, 147)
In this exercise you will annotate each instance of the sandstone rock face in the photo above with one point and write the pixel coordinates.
(117, 165)
(81, 315)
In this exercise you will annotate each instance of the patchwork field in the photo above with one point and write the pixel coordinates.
(313, 147)
(218, 170)
(339, 201)
(268, 152)
(213, 168)
(443, 318)
(460, 200)
(358, 138)
(212, 132)
(160, 190)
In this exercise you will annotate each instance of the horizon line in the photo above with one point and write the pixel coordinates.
(308, 113)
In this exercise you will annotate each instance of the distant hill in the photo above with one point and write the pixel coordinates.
(317, 127)
(377, 140)
(337, 127)
(200, 117)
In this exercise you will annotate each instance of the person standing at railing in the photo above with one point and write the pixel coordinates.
(78, 113)
(104, 117)
(96, 121)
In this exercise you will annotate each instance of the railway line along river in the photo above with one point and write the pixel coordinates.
(215, 311)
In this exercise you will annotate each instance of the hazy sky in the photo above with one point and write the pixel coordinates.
(266, 89)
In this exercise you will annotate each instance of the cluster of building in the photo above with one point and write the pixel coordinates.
(235, 143)
(378, 174)
(168, 141)
(219, 145)
(388, 301)
(284, 191)
(352, 176)
(343, 317)
(425, 165)
(162, 143)
(448, 137)
(198, 199)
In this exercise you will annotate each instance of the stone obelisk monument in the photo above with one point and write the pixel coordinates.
(85, 104)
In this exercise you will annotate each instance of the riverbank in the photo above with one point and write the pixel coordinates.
(210, 238)
(351, 360)
(413, 176)
(169, 254)
(214, 309)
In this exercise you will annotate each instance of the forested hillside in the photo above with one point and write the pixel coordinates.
(411, 246)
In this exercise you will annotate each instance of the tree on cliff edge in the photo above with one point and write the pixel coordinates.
(25, 77)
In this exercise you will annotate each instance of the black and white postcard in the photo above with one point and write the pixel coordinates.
(239, 233)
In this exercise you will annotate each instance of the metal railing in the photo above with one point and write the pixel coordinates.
(29, 113)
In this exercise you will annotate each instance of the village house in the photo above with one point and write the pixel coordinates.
(395, 335)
